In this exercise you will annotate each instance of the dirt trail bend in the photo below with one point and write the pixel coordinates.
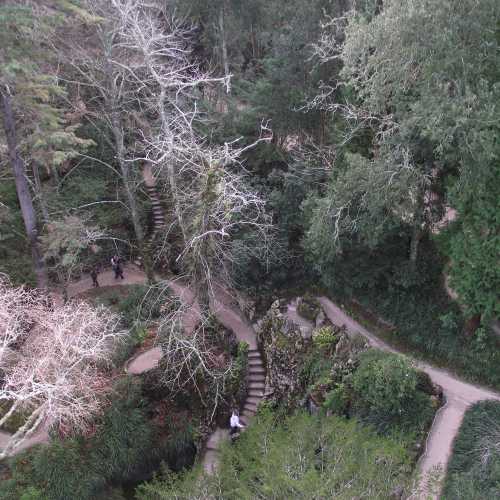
(459, 396)
(133, 275)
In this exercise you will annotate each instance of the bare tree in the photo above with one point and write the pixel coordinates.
(54, 361)
(93, 58)
(206, 183)
(191, 359)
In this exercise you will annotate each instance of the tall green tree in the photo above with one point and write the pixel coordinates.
(421, 78)
(36, 131)
(302, 457)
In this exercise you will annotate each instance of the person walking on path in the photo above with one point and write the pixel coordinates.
(93, 274)
(235, 424)
(116, 265)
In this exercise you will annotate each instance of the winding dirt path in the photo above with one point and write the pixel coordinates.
(459, 396)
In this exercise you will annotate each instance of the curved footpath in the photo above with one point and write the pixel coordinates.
(232, 319)
(459, 396)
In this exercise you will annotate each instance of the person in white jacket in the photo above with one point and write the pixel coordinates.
(234, 423)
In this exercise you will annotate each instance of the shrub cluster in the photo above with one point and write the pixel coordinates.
(124, 448)
(474, 469)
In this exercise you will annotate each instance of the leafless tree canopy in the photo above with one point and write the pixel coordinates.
(54, 361)
(205, 183)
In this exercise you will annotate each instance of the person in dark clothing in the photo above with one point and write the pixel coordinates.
(116, 265)
(93, 274)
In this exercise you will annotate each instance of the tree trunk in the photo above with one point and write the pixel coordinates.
(129, 192)
(414, 244)
(39, 192)
(472, 324)
(417, 231)
(225, 61)
(22, 188)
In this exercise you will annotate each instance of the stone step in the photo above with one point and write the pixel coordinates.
(256, 382)
(253, 353)
(255, 362)
(216, 438)
(254, 400)
(250, 408)
(256, 370)
(244, 418)
(254, 392)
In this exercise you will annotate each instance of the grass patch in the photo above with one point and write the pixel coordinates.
(474, 469)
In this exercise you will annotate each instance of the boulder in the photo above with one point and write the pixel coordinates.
(320, 319)
(305, 331)
(285, 345)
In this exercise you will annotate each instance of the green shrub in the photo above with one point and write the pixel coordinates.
(237, 384)
(386, 394)
(143, 303)
(337, 400)
(325, 338)
(309, 307)
(474, 468)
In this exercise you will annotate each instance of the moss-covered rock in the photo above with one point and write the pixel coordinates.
(308, 307)
(285, 349)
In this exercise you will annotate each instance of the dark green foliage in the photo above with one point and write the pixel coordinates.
(300, 457)
(15, 256)
(474, 469)
(125, 447)
(137, 303)
(386, 394)
(308, 307)
(237, 384)
(474, 242)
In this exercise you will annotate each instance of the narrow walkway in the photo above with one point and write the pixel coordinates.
(459, 396)
(133, 275)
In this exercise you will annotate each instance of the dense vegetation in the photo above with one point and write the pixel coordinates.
(348, 147)
(474, 469)
(125, 447)
(300, 457)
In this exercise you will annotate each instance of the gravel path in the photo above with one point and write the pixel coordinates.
(459, 396)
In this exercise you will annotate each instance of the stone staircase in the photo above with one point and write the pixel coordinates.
(256, 378)
(159, 222)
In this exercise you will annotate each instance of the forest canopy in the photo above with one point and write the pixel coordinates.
(196, 195)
